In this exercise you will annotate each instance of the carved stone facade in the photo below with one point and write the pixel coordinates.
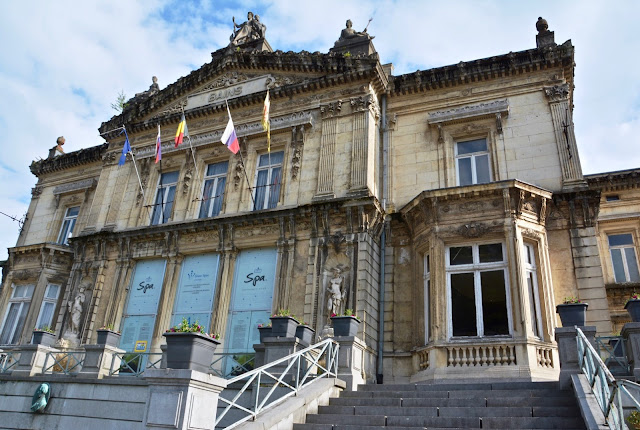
(442, 194)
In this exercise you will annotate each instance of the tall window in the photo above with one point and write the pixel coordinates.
(427, 298)
(165, 194)
(478, 293)
(472, 162)
(69, 221)
(623, 258)
(531, 273)
(16, 314)
(268, 180)
(45, 318)
(213, 192)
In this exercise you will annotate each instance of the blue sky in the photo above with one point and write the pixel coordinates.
(64, 62)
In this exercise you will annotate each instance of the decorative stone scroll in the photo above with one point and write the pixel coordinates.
(498, 108)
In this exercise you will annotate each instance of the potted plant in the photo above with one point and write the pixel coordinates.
(190, 347)
(108, 336)
(44, 336)
(572, 312)
(634, 420)
(305, 333)
(265, 331)
(345, 324)
(633, 307)
(283, 324)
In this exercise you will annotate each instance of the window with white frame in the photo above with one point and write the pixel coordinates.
(68, 223)
(45, 318)
(472, 162)
(427, 298)
(478, 290)
(213, 191)
(268, 179)
(165, 195)
(623, 258)
(531, 274)
(16, 314)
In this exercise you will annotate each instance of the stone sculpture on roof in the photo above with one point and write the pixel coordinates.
(251, 29)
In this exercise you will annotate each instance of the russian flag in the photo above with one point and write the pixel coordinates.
(158, 146)
(229, 137)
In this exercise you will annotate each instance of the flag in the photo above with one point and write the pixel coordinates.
(182, 130)
(158, 146)
(229, 136)
(266, 125)
(126, 148)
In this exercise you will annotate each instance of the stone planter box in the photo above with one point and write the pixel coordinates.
(345, 326)
(633, 308)
(190, 351)
(283, 326)
(44, 338)
(572, 314)
(305, 334)
(264, 333)
(108, 337)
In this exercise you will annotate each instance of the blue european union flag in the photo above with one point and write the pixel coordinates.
(126, 148)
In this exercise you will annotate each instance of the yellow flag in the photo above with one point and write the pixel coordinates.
(266, 124)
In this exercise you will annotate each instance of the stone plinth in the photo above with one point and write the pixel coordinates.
(631, 335)
(275, 348)
(32, 360)
(182, 399)
(568, 351)
(351, 361)
(97, 360)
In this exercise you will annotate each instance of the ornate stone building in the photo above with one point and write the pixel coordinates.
(446, 207)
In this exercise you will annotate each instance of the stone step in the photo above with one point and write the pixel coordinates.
(569, 400)
(464, 411)
(366, 420)
(455, 394)
(459, 386)
(358, 427)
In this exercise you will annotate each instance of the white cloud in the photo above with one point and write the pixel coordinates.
(64, 62)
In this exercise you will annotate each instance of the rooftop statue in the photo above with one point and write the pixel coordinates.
(251, 29)
(350, 33)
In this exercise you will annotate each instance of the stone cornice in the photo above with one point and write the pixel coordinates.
(619, 180)
(75, 186)
(70, 160)
(336, 69)
(486, 69)
(473, 111)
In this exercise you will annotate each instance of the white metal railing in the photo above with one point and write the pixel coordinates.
(8, 359)
(229, 364)
(610, 394)
(66, 362)
(134, 363)
(272, 383)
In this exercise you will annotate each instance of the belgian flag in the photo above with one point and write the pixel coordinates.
(182, 130)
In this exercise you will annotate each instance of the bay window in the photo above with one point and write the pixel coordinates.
(478, 293)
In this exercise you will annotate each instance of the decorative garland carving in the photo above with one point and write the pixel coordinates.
(144, 177)
(473, 230)
(297, 142)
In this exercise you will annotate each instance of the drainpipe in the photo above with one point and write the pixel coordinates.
(385, 161)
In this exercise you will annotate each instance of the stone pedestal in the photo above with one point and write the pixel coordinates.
(631, 335)
(98, 359)
(32, 360)
(351, 361)
(568, 351)
(182, 399)
(274, 348)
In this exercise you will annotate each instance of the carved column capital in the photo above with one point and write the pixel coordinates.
(557, 93)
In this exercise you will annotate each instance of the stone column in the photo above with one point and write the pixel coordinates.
(351, 361)
(329, 114)
(631, 335)
(97, 360)
(32, 360)
(182, 399)
(562, 116)
(568, 351)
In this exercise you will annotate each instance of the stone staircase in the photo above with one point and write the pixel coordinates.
(518, 405)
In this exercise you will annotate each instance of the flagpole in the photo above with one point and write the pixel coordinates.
(111, 131)
(134, 164)
(193, 154)
(242, 160)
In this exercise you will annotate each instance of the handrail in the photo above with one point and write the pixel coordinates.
(608, 392)
(289, 374)
(68, 362)
(8, 360)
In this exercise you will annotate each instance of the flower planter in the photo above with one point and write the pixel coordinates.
(190, 351)
(633, 307)
(305, 334)
(43, 338)
(108, 337)
(572, 314)
(283, 326)
(265, 332)
(345, 326)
